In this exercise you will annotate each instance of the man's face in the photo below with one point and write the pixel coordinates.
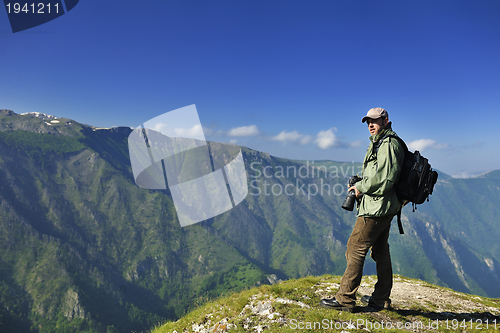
(375, 126)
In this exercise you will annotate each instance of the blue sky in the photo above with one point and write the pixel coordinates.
(292, 78)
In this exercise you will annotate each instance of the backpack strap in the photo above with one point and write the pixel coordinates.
(379, 142)
(400, 225)
(376, 146)
(375, 150)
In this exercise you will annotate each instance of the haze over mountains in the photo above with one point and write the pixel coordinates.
(82, 247)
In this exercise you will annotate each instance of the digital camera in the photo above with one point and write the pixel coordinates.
(351, 195)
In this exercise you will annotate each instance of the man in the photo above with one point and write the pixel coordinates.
(377, 206)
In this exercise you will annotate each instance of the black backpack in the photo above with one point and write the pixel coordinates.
(416, 181)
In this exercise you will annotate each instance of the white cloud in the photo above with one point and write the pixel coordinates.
(159, 127)
(423, 144)
(195, 131)
(244, 131)
(356, 144)
(326, 139)
(306, 139)
(293, 136)
(441, 146)
(208, 131)
(285, 136)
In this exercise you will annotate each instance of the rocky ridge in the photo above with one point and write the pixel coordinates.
(292, 305)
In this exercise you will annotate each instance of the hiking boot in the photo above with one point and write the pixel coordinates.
(367, 300)
(332, 303)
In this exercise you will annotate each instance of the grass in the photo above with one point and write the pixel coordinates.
(293, 305)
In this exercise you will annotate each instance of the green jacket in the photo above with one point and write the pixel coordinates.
(380, 173)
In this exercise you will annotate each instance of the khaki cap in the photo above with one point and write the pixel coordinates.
(375, 113)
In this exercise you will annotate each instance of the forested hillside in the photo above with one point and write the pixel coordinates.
(83, 248)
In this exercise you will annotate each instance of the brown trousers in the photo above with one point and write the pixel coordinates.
(368, 232)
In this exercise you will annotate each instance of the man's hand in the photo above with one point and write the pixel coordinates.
(358, 194)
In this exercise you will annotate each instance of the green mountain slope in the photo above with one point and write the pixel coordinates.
(82, 248)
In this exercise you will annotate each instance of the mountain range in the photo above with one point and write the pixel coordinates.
(82, 248)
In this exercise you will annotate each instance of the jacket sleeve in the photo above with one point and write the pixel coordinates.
(381, 175)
